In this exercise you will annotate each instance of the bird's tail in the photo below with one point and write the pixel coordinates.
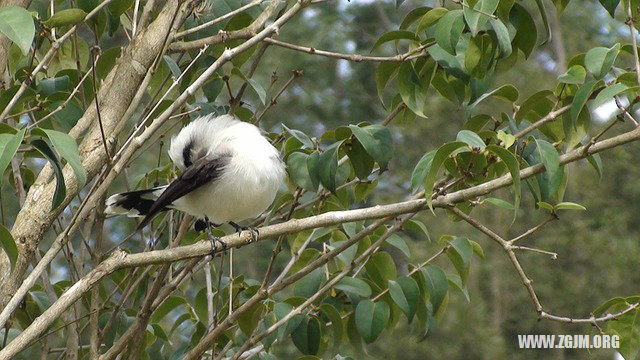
(133, 203)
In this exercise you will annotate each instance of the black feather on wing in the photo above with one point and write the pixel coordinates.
(201, 172)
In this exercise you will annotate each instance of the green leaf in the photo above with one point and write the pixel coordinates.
(417, 227)
(526, 32)
(460, 255)
(413, 16)
(596, 162)
(511, 161)
(472, 139)
(502, 34)
(574, 75)
(61, 190)
(107, 61)
(581, 97)
(66, 148)
(569, 206)
(396, 35)
(476, 17)
(627, 327)
(610, 6)
(533, 103)
(307, 256)
(376, 139)
(430, 18)
(549, 157)
(16, 23)
(309, 284)
(453, 65)
(298, 171)
(336, 322)
(118, 7)
(354, 286)
(609, 93)
(599, 311)
(371, 318)
(385, 72)
(449, 29)
(473, 54)
(262, 94)
(281, 310)
(413, 90)
(600, 59)
(545, 205)
(314, 169)
(405, 293)
(545, 21)
(506, 140)
(398, 242)
(9, 145)
(505, 92)
(455, 282)
(323, 170)
(361, 161)
(500, 203)
(212, 88)
(248, 321)
(307, 336)
(437, 285)
(173, 66)
(9, 245)
(477, 249)
(438, 160)
(302, 137)
(381, 268)
(66, 17)
(504, 8)
(421, 169)
(166, 307)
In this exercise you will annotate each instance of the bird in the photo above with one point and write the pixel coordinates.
(229, 172)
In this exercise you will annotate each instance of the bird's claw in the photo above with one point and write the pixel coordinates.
(214, 240)
(254, 234)
(239, 229)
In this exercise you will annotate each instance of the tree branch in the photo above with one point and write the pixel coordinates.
(412, 54)
(224, 36)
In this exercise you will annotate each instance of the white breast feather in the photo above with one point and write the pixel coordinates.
(248, 183)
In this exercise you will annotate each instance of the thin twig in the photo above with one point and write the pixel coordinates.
(549, 117)
(134, 21)
(217, 20)
(534, 229)
(411, 54)
(274, 100)
(94, 60)
(553, 255)
(591, 320)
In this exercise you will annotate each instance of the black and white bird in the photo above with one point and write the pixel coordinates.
(229, 173)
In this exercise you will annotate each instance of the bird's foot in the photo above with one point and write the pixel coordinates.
(215, 241)
(151, 243)
(239, 229)
(217, 245)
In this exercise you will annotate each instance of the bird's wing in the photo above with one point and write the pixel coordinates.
(201, 172)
